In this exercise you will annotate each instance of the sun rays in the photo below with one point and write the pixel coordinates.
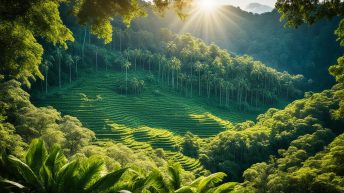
(208, 5)
(208, 20)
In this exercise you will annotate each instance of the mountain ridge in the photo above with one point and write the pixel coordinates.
(258, 8)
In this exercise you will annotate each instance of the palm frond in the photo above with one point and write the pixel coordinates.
(106, 182)
(55, 161)
(46, 177)
(224, 188)
(210, 181)
(9, 183)
(156, 181)
(196, 182)
(138, 185)
(89, 171)
(25, 172)
(65, 180)
(186, 189)
(36, 155)
(174, 173)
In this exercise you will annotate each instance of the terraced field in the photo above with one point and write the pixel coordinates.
(133, 120)
(95, 102)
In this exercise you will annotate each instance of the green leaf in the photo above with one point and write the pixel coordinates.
(25, 172)
(65, 181)
(55, 161)
(106, 181)
(36, 155)
(174, 173)
(225, 188)
(6, 182)
(90, 169)
(155, 180)
(186, 189)
(209, 181)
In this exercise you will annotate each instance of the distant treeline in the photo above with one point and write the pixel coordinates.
(181, 62)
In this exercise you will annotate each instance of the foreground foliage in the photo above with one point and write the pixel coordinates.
(52, 172)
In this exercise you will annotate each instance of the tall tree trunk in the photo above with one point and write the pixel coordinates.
(89, 37)
(59, 72)
(97, 59)
(83, 48)
(76, 69)
(177, 79)
(168, 78)
(135, 62)
(220, 90)
(172, 78)
(120, 40)
(70, 73)
(46, 80)
(199, 83)
(126, 81)
(159, 72)
(191, 88)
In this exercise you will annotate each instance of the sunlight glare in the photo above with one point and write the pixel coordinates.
(208, 5)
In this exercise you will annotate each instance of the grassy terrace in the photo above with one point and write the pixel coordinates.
(133, 120)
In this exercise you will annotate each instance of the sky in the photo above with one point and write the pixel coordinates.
(244, 3)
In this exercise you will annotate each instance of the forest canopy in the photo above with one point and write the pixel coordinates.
(298, 148)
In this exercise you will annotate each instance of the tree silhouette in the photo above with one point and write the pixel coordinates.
(58, 55)
(126, 65)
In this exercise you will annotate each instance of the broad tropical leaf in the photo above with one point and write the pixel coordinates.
(210, 181)
(106, 182)
(9, 183)
(156, 181)
(55, 161)
(65, 181)
(89, 171)
(186, 189)
(224, 188)
(174, 173)
(36, 155)
(25, 172)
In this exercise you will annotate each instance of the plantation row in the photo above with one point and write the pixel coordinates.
(132, 120)
(96, 103)
(147, 139)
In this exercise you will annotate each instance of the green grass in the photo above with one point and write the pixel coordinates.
(168, 110)
(135, 120)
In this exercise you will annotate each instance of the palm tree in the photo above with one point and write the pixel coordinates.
(43, 172)
(171, 48)
(58, 54)
(76, 60)
(83, 48)
(183, 77)
(47, 63)
(174, 65)
(69, 61)
(96, 58)
(126, 64)
(208, 185)
(199, 67)
(107, 61)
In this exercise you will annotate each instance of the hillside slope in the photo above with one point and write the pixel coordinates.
(157, 118)
(95, 101)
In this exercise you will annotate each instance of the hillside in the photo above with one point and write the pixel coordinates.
(96, 103)
(104, 96)
(298, 50)
(157, 118)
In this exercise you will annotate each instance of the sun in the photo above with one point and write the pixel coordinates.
(208, 5)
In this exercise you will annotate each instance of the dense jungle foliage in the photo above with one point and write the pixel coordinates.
(50, 48)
